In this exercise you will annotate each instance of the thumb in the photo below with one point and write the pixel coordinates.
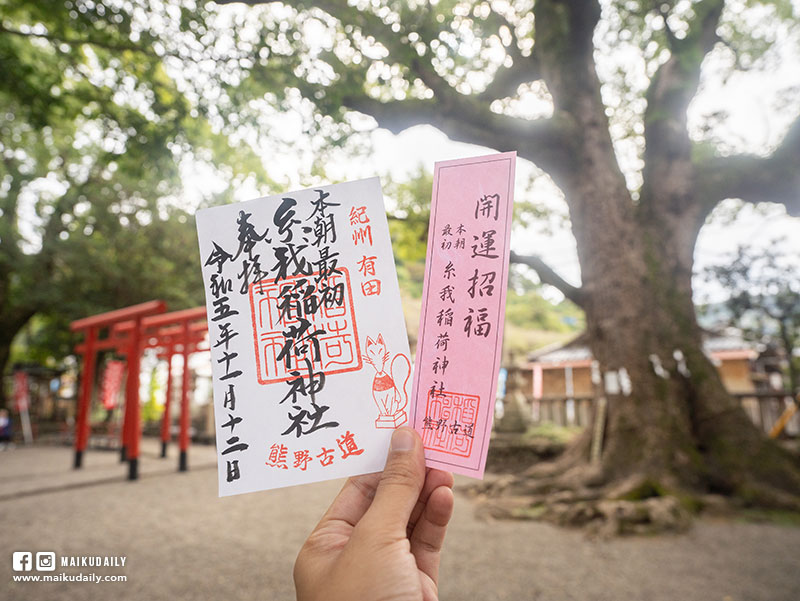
(400, 484)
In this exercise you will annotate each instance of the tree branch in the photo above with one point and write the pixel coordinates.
(668, 149)
(565, 51)
(754, 179)
(672, 40)
(550, 277)
(564, 47)
(141, 49)
(523, 69)
(508, 79)
(675, 83)
(114, 47)
(462, 118)
(539, 141)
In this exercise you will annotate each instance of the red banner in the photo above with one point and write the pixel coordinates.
(112, 380)
(21, 390)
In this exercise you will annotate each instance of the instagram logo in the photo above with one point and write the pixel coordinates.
(46, 561)
(22, 561)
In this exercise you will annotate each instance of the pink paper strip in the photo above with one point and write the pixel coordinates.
(463, 310)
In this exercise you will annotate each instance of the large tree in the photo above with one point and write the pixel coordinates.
(467, 68)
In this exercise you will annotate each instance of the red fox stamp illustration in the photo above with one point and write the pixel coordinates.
(388, 387)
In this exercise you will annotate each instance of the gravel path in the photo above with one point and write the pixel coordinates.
(182, 542)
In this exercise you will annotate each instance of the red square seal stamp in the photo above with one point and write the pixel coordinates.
(449, 422)
(276, 307)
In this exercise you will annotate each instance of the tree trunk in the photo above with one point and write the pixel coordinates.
(673, 434)
(642, 329)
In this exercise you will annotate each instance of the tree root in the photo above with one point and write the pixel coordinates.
(638, 490)
(637, 504)
(581, 506)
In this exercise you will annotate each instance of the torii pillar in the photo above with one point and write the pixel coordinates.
(91, 326)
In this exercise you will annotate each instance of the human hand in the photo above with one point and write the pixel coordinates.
(381, 537)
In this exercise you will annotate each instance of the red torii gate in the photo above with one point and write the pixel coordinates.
(188, 328)
(197, 333)
(130, 337)
(169, 339)
(90, 327)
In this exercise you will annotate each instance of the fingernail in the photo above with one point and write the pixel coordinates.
(402, 440)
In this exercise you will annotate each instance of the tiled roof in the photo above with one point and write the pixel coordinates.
(577, 350)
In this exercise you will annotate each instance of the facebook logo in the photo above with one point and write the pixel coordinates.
(22, 561)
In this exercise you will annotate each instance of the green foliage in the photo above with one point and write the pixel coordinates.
(152, 410)
(529, 310)
(763, 301)
(777, 517)
(409, 210)
(98, 116)
(552, 432)
(533, 322)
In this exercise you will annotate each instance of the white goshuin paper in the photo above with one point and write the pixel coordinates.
(348, 394)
